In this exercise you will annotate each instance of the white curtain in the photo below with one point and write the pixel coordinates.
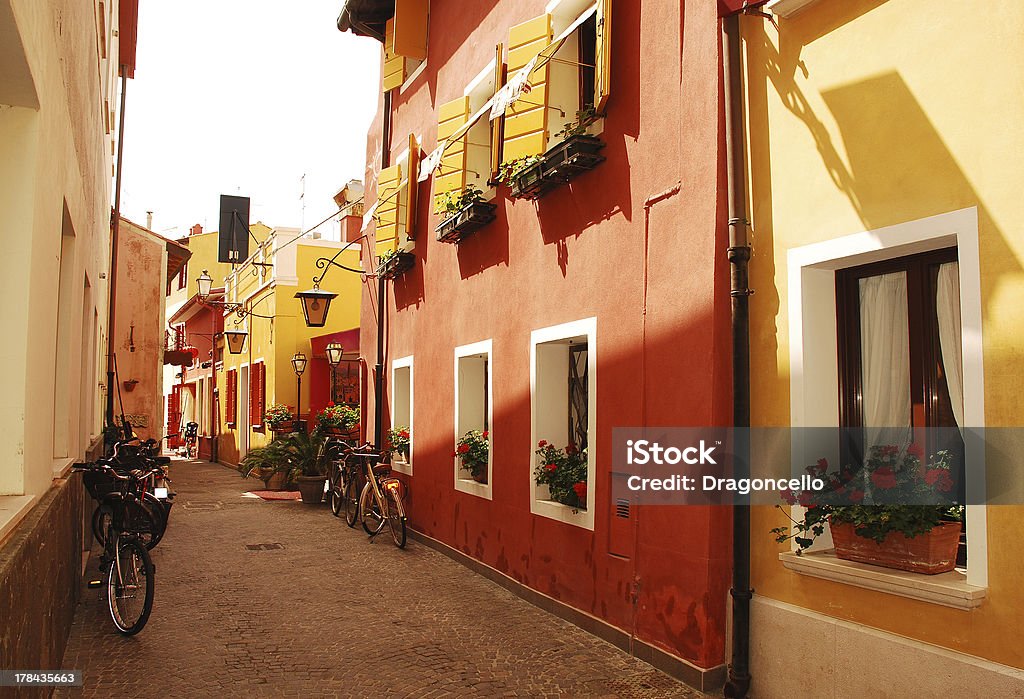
(885, 360)
(947, 306)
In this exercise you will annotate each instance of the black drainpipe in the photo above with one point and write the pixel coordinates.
(739, 257)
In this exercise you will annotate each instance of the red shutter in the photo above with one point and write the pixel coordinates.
(231, 389)
(174, 411)
(257, 394)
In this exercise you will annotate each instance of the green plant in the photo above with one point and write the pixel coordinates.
(579, 126)
(451, 203)
(337, 417)
(302, 454)
(264, 462)
(873, 498)
(564, 472)
(397, 440)
(513, 168)
(277, 415)
(473, 448)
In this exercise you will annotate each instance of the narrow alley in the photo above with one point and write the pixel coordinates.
(277, 598)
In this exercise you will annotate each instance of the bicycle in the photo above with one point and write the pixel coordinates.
(380, 501)
(126, 564)
(154, 493)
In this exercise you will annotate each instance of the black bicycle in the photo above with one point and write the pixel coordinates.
(128, 570)
(155, 495)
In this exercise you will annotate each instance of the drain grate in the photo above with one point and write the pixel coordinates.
(264, 547)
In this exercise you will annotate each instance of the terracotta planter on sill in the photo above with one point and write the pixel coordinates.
(572, 157)
(930, 553)
(350, 434)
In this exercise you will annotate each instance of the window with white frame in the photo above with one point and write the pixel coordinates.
(563, 399)
(880, 281)
(402, 409)
(473, 455)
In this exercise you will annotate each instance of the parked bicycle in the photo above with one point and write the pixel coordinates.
(379, 502)
(128, 570)
(191, 437)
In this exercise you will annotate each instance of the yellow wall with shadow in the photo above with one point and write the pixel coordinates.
(863, 114)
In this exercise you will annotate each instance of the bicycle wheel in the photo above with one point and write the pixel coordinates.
(145, 524)
(337, 489)
(351, 500)
(373, 518)
(101, 518)
(130, 584)
(396, 520)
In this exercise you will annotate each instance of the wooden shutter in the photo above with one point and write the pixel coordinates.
(174, 410)
(452, 176)
(411, 198)
(390, 208)
(231, 393)
(257, 390)
(396, 68)
(526, 121)
(603, 63)
(498, 125)
(410, 28)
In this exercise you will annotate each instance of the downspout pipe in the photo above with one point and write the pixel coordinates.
(115, 225)
(739, 256)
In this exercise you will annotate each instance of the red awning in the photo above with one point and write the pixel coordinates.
(127, 34)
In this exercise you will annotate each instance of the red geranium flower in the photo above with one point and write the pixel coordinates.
(330, 404)
(804, 499)
(788, 496)
(932, 475)
(819, 468)
(915, 450)
(404, 434)
(550, 467)
(463, 448)
(581, 490)
(945, 483)
(884, 478)
(484, 435)
(856, 496)
(542, 443)
(570, 448)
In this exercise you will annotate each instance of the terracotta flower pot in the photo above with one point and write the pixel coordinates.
(276, 481)
(311, 488)
(480, 477)
(929, 553)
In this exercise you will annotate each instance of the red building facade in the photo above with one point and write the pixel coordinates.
(602, 304)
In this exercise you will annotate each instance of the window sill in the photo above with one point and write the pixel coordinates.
(13, 509)
(402, 466)
(563, 513)
(787, 8)
(472, 487)
(947, 589)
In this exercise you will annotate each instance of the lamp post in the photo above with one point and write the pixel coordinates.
(316, 303)
(334, 352)
(298, 366)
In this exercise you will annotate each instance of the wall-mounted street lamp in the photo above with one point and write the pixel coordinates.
(298, 366)
(334, 353)
(316, 303)
(235, 340)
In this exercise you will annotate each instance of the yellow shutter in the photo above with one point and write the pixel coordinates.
(395, 65)
(412, 190)
(603, 62)
(498, 125)
(452, 174)
(526, 121)
(390, 208)
(410, 33)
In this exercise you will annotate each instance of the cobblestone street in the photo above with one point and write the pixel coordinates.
(323, 612)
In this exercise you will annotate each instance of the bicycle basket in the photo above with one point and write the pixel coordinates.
(98, 484)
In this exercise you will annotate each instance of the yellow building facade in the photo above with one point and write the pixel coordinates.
(879, 130)
(262, 374)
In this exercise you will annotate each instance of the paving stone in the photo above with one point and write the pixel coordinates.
(330, 615)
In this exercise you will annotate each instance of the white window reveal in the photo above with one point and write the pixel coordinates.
(402, 409)
(473, 391)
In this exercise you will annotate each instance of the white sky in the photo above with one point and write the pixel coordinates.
(244, 97)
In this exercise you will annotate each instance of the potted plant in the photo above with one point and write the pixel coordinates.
(564, 472)
(279, 417)
(524, 177)
(393, 263)
(472, 449)
(397, 443)
(577, 152)
(464, 212)
(302, 453)
(339, 421)
(268, 463)
(895, 512)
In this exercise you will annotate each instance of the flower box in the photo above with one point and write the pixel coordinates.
(472, 218)
(182, 358)
(529, 183)
(929, 553)
(397, 265)
(572, 157)
(347, 433)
